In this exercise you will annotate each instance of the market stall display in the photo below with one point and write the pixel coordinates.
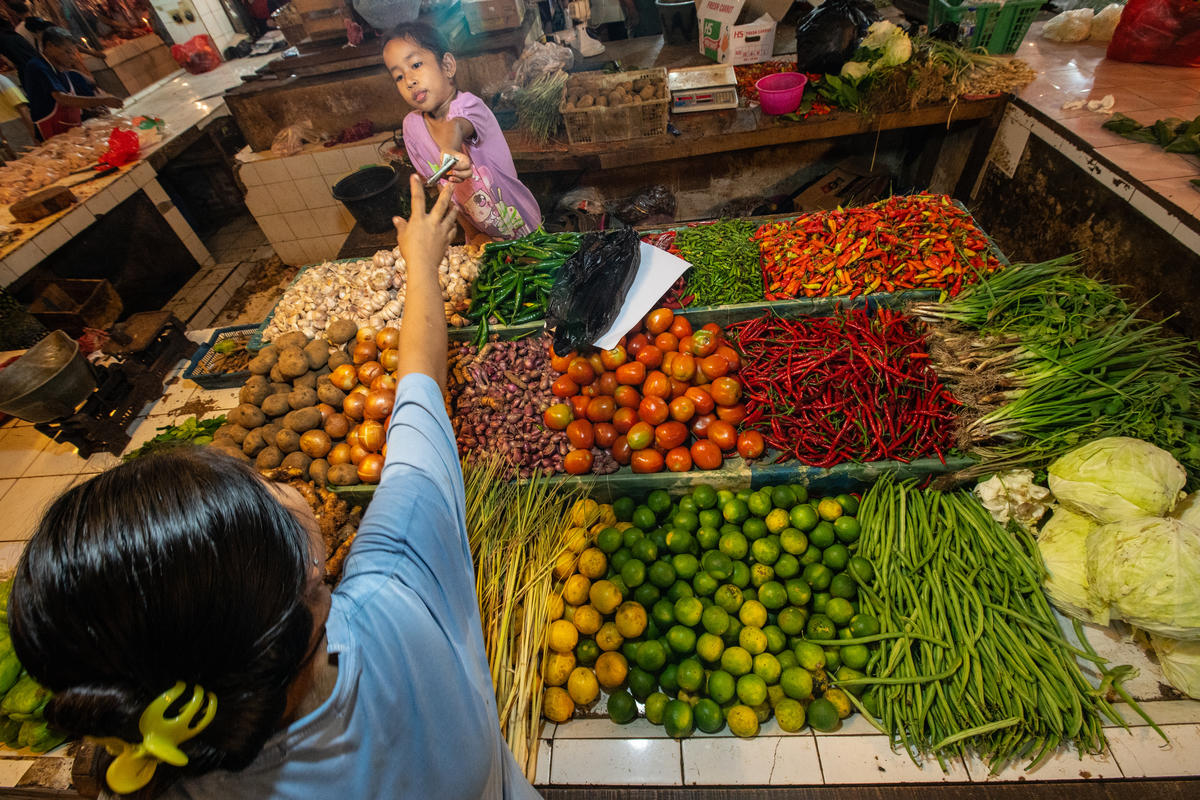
(514, 279)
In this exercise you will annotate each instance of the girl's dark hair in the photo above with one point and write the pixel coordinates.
(421, 34)
(174, 567)
(58, 36)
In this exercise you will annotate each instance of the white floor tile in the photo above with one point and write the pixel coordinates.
(1163, 712)
(225, 399)
(10, 554)
(174, 396)
(56, 458)
(545, 753)
(1064, 765)
(99, 462)
(605, 728)
(855, 725)
(23, 507)
(1143, 754)
(870, 759)
(773, 761)
(625, 762)
(548, 729)
(19, 447)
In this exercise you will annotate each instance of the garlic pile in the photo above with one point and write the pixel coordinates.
(369, 292)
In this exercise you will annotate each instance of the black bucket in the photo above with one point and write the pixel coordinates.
(373, 195)
(678, 21)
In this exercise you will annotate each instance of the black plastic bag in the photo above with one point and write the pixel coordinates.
(828, 36)
(591, 286)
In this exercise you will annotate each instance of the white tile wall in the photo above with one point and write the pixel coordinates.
(260, 201)
(276, 228)
(272, 170)
(302, 223)
(332, 161)
(78, 220)
(287, 199)
(314, 192)
(302, 165)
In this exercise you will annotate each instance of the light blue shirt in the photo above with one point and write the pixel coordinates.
(413, 713)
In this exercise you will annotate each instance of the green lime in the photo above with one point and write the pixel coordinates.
(731, 634)
(728, 528)
(646, 595)
(717, 564)
(760, 574)
(803, 517)
(735, 511)
(844, 586)
(686, 565)
(839, 610)
(829, 509)
(810, 556)
(643, 518)
(659, 537)
(715, 619)
(810, 656)
(688, 611)
(766, 666)
(737, 660)
(661, 574)
(765, 551)
(641, 683)
(793, 541)
(778, 520)
(651, 655)
(704, 496)
(787, 659)
(759, 503)
(776, 639)
(753, 613)
(773, 595)
(619, 583)
(836, 557)
(798, 591)
(708, 715)
(741, 575)
(704, 584)
(708, 536)
(619, 559)
(680, 589)
(823, 535)
(679, 540)
(721, 686)
(743, 721)
(752, 640)
(849, 503)
(797, 683)
(819, 628)
(823, 715)
(689, 675)
(632, 536)
(659, 501)
(662, 613)
(818, 576)
(791, 620)
(629, 650)
(656, 704)
(847, 529)
(685, 521)
(644, 550)
(754, 528)
(750, 592)
(666, 679)
(623, 508)
(751, 690)
(783, 497)
(844, 633)
(633, 573)
(710, 518)
(787, 566)
(833, 659)
(845, 673)
(863, 625)
(609, 540)
(682, 640)
(724, 496)
(710, 647)
(586, 652)
(855, 656)
(861, 569)
(687, 504)
(729, 598)
(789, 714)
(622, 708)
(679, 721)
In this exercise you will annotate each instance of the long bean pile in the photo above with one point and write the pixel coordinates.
(920, 241)
(1047, 358)
(515, 279)
(980, 663)
(724, 262)
(852, 387)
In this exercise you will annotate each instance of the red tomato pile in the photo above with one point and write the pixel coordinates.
(664, 398)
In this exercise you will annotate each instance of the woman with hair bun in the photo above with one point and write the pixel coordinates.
(175, 606)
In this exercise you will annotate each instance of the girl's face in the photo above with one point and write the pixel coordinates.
(424, 81)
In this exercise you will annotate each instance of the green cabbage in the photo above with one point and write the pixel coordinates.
(1147, 572)
(1063, 545)
(1180, 662)
(855, 70)
(1117, 478)
(1188, 510)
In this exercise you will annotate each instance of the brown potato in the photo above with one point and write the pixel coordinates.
(270, 431)
(318, 472)
(301, 420)
(254, 442)
(341, 331)
(317, 353)
(228, 447)
(261, 365)
(602, 101)
(297, 461)
(255, 391)
(232, 431)
(268, 458)
(328, 393)
(292, 363)
(337, 358)
(275, 375)
(302, 398)
(287, 441)
(343, 475)
(587, 101)
(276, 405)
(306, 381)
(294, 339)
(247, 415)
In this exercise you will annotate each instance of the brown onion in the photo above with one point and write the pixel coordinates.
(344, 377)
(338, 454)
(369, 371)
(390, 359)
(388, 338)
(370, 468)
(371, 435)
(384, 381)
(326, 411)
(357, 454)
(365, 334)
(379, 404)
(353, 405)
(364, 352)
(337, 426)
(352, 437)
(315, 443)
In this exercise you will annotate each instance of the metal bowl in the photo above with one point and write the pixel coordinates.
(48, 382)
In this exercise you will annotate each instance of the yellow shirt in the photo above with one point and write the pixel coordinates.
(11, 96)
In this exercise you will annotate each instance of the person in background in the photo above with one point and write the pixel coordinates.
(492, 201)
(58, 95)
(32, 27)
(188, 575)
(14, 105)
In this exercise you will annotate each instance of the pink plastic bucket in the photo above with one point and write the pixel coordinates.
(780, 93)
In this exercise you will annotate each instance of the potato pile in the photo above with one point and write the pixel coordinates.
(581, 96)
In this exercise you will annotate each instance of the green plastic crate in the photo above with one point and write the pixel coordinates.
(998, 27)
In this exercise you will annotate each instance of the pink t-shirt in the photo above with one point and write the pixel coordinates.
(494, 198)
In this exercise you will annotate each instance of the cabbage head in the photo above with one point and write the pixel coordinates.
(1117, 478)
(1188, 510)
(1063, 545)
(855, 70)
(1180, 662)
(1147, 572)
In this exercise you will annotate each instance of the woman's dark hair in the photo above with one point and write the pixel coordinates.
(58, 36)
(175, 567)
(420, 34)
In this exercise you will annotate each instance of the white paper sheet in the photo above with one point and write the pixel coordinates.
(656, 273)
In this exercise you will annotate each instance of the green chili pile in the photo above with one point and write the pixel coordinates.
(724, 262)
(515, 279)
(980, 664)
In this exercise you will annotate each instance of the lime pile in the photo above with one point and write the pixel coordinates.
(717, 609)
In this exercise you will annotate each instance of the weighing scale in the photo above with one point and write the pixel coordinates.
(709, 88)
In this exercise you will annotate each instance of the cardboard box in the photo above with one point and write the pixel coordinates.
(739, 31)
(851, 182)
(484, 16)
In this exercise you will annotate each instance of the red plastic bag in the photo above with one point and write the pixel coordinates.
(198, 54)
(1158, 32)
(123, 149)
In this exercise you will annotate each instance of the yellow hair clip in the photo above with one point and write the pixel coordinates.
(134, 764)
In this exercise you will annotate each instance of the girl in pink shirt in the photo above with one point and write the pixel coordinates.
(492, 201)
